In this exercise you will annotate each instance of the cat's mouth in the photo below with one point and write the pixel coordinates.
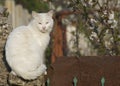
(43, 31)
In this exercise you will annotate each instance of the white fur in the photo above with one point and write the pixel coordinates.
(26, 45)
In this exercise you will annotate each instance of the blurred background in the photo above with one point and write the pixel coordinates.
(82, 27)
(92, 29)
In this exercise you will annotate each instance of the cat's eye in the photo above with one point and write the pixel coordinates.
(40, 23)
(47, 22)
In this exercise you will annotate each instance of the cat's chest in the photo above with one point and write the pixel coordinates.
(41, 41)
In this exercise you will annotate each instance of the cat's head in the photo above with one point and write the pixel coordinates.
(43, 21)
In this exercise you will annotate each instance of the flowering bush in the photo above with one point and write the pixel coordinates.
(100, 22)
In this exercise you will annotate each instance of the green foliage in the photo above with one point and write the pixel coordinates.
(36, 5)
(1, 2)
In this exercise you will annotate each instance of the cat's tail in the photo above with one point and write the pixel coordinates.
(30, 75)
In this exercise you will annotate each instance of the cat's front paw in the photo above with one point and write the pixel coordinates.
(45, 73)
(12, 72)
(43, 66)
(44, 69)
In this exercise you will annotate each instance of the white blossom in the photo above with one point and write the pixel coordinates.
(107, 44)
(118, 36)
(107, 31)
(93, 20)
(111, 20)
(90, 2)
(114, 24)
(111, 15)
(105, 12)
(93, 35)
(84, 4)
(4, 26)
(91, 28)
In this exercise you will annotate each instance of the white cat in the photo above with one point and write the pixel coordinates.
(25, 46)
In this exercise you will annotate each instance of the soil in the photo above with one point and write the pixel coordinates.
(88, 70)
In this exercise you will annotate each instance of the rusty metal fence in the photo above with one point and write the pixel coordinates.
(75, 81)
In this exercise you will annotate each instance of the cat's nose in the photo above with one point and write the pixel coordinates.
(44, 27)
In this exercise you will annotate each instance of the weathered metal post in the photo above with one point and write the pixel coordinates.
(59, 35)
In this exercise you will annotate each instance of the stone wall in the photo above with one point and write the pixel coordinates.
(5, 29)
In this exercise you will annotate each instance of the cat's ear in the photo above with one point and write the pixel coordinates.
(34, 14)
(50, 13)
